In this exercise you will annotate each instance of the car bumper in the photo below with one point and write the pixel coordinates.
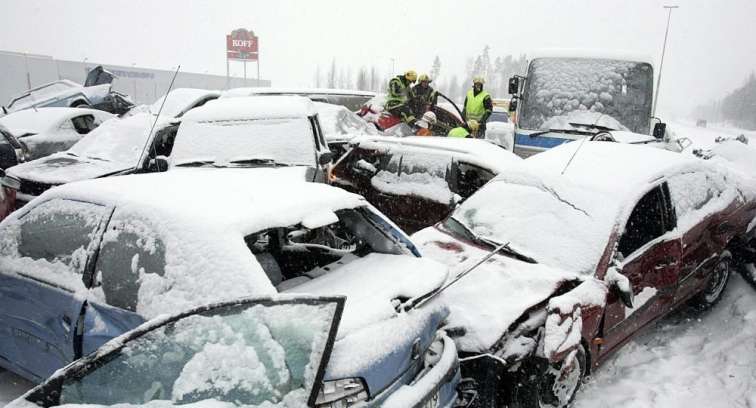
(437, 388)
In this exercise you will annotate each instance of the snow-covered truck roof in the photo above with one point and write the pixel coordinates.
(45, 119)
(251, 108)
(476, 151)
(619, 55)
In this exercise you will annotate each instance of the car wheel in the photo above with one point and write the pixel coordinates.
(716, 285)
(551, 385)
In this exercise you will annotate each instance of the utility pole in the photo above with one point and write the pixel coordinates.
(661, 64)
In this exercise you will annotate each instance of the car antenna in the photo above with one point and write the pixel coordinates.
(581, 145)
(420, 301)
(154, 123)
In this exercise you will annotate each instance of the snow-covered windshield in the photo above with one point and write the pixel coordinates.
(263, 355)
(287, 141)
(605, 92)
(117, 141)
(571, 234)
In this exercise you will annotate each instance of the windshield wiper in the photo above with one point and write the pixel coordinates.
(97, 158)
(572, 131)
(592, 126)
(198, 163)
(263, 161)
(508, 250)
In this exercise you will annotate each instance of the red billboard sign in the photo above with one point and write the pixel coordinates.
(242, 44)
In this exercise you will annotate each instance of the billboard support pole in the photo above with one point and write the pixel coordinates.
(245, 72)
(258, 70)
(227, 72)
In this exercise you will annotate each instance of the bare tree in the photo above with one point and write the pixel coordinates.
(332, 75)
(362, 79)
(436, 69)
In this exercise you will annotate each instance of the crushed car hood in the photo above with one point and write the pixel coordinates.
(375, 342)
(489, 299)
(61, 168)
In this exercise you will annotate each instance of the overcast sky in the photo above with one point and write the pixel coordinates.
(711, 48)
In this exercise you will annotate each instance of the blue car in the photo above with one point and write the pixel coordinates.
(86, 262)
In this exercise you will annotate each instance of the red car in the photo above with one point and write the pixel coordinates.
(590, 244)
(448, 117)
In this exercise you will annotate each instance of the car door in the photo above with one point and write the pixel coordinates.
(651, 264)
(44, 254)
(247, 352)
(131, 252)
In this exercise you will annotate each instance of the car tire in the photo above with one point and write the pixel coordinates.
(542, 388)
(715, 286)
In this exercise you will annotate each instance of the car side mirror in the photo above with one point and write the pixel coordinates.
(513, 105)
(157, 164)
(9, 181)
(660, 129)
(325, 158)
(514, 85)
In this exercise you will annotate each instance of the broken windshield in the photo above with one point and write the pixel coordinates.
(611, 93)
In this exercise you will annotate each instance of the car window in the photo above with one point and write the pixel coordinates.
(470, 178)
(693, 191)
(646, 222)
(418, 174)
(130, 249)
(83, 124)
(265, 354)
(53, 241)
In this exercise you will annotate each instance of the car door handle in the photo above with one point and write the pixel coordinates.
(65, 322)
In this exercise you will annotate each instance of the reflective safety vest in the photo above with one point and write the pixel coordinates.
(474, 108)
(458, 132)
(394, 99)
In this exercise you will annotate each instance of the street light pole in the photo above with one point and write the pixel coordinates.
(661, 64)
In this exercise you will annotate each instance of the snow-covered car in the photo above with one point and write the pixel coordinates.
(348, 98)
(574, 94)
(96, 93)
(340, 125)
(253, 132)
(44, 131)
(416, 181)
(88, 261)
(625, 234)
(448, 116)
(499, 129)
(117, 147)
(178, 102)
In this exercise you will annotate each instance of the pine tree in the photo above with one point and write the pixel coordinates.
(436, 69)
(332, 75)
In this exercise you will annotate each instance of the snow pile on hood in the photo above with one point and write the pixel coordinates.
(739, 156)
(339, 123)
(489, 299)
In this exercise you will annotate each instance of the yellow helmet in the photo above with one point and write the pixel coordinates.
(410, 75)
(424, 77)
(473, 125)
(479, 80)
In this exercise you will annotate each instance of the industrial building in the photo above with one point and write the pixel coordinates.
(22, 71)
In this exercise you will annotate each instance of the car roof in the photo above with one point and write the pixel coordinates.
(43, 119)
(293, 91)
(480, 152)
(610, 167)
(239, 201)
(252, 107)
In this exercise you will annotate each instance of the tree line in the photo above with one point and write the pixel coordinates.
(496, 72)
(738, 107)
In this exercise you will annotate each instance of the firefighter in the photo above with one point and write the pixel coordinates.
(478, 106)
(425, 123)
(462, 132)
(424, 97)
(398, 97)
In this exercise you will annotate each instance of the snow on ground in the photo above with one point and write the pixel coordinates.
(704, 138)
(689, 359)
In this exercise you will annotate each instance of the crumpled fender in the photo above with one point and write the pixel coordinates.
(566, 313)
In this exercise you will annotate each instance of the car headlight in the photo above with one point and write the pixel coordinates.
(341, 393)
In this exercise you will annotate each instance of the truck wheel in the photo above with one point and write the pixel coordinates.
(551, 385)
(716, 285)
